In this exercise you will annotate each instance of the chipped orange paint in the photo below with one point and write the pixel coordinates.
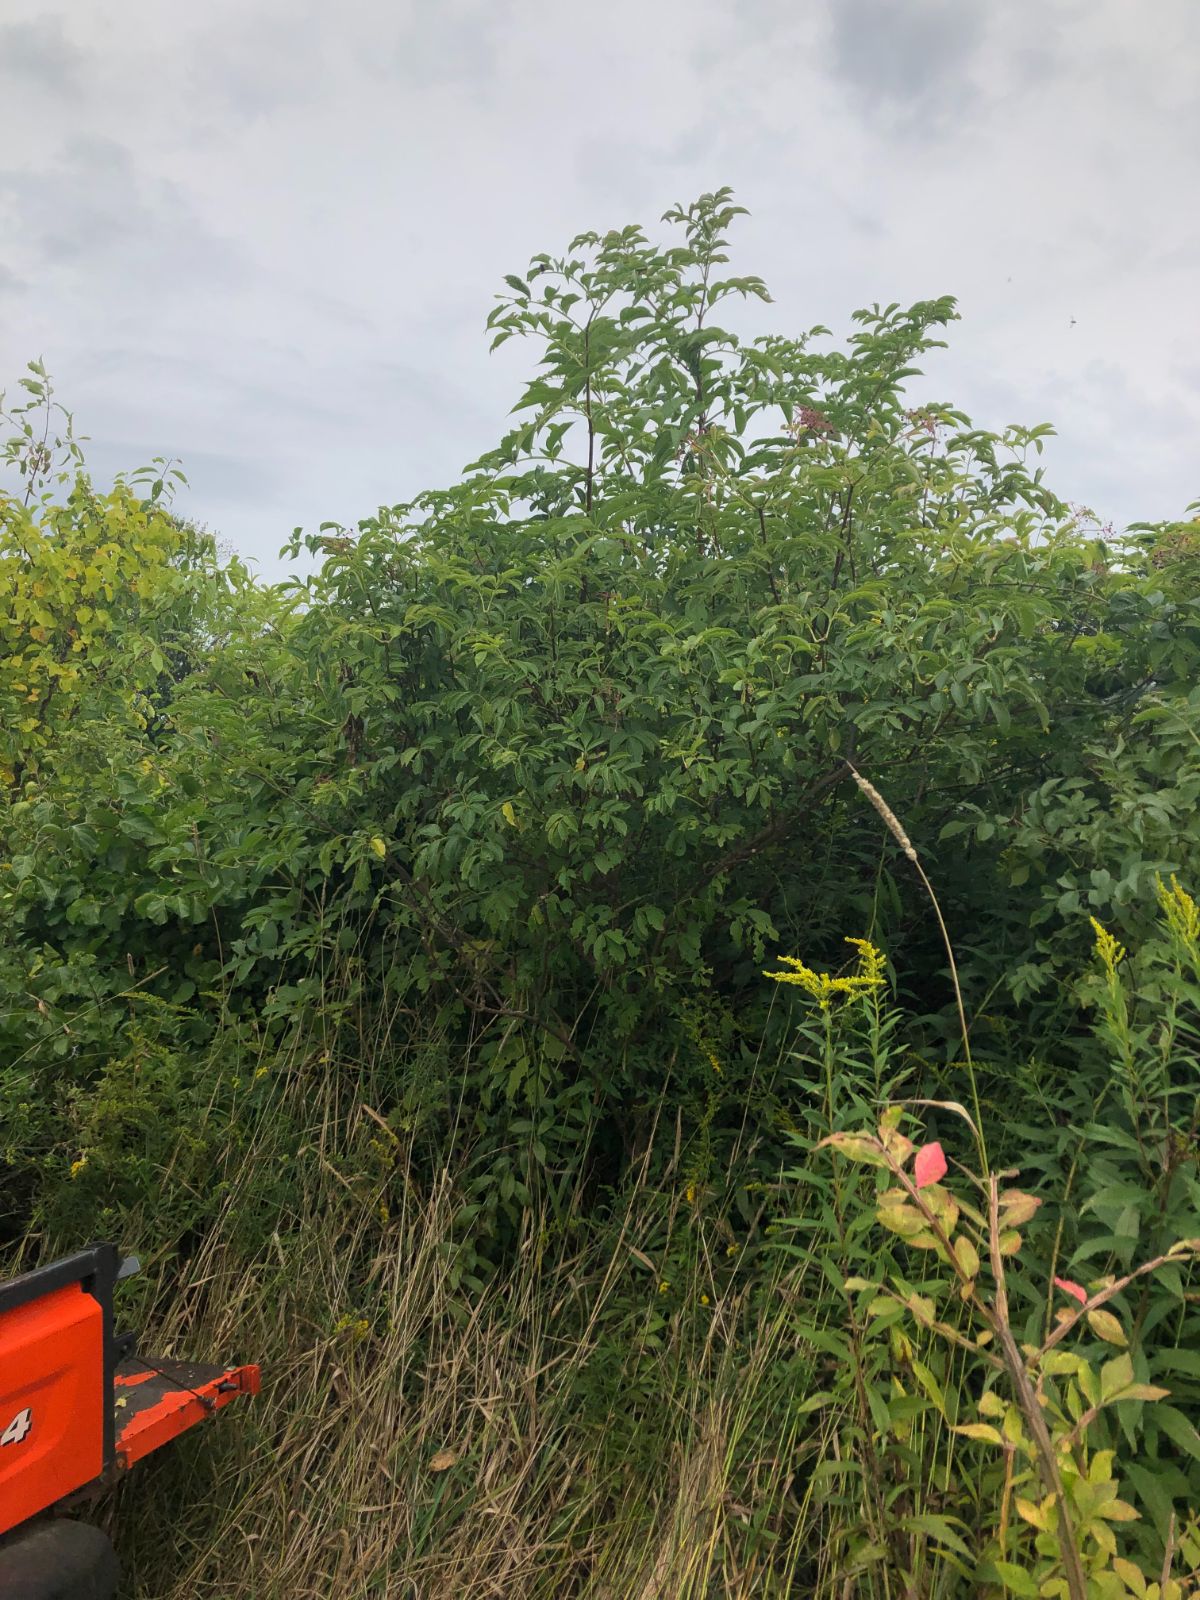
(179, 1410)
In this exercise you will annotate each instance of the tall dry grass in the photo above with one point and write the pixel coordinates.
(573, 1430)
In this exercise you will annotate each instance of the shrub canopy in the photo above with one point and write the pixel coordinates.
(555, 758)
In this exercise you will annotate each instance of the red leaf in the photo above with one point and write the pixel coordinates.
(1073, 1289)
(930, 1165)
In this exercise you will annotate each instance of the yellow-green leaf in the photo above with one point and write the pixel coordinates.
(1143, 1391)
(1105, 1326)
(1057, 1362)
(1117, 1511)
(943, 1205)
(980, 1430)
(1032, 1514)
(1115, 1375)
(1132, 1577)
(968, 1256)
(855, 1147)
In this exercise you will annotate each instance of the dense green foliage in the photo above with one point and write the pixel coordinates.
(519, 792)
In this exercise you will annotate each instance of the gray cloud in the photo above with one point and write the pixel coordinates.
(38, 54)
(92, 206)
(265, 65)
(911, 62)
(441, 42)
(264, 234)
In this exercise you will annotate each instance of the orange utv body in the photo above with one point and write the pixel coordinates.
(78, 1405)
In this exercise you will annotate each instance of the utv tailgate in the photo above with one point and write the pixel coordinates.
(156, 1401)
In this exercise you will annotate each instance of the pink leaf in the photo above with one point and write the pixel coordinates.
(930, 1165)
(1073, 1289)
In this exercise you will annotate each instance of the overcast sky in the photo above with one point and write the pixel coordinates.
(263, 235)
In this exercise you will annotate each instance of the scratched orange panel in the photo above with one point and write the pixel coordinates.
(51, 1401)
(153, 1407)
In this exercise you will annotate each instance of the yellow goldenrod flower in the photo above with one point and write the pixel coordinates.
(823, 986)
(356, 1329)
(1180, 910)
(1110, 951)
(872, 962)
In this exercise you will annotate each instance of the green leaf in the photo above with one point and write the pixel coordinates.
(1014, 1579)
(1153, 1492)
(930, 1385)
(1179, 1429)
(942, 1529)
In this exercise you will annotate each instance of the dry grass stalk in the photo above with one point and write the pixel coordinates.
(894, 826)
(327, 1486)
